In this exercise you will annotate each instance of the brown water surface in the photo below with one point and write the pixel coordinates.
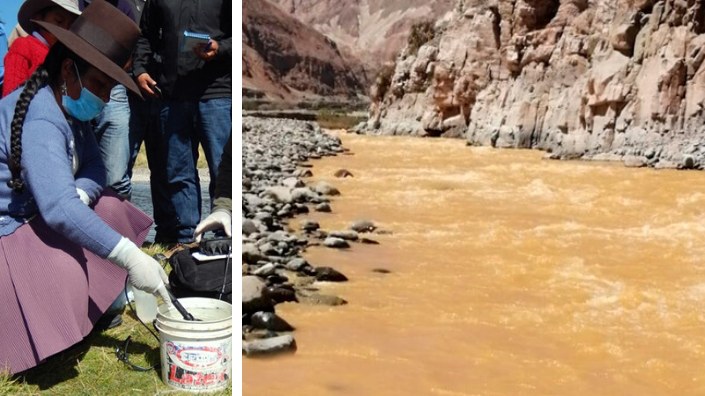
(510, 275)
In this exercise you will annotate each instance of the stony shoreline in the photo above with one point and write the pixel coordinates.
(275, 170)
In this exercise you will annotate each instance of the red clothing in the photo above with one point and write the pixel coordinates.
(22, 59)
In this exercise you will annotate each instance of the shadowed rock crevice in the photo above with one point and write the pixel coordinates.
(496, 25)
(530, 15)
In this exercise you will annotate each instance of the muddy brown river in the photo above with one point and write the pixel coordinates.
(510, 275)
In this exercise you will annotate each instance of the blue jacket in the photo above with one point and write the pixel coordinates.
(52, 173)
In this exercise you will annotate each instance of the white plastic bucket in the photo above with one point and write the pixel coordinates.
(196, 356)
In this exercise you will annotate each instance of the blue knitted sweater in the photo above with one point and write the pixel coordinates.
(52, 173)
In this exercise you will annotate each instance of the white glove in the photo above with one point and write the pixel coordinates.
(215, 221)
(83, 196)
(143, 272)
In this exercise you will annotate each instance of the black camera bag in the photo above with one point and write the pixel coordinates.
(212, 278)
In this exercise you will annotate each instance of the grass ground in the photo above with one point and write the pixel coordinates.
(141, 160)
(91, 367)
(337, 120)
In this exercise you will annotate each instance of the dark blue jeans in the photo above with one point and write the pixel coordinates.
(184, 124)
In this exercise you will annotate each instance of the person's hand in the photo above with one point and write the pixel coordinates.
(146, 84)
(215, 221)
(143, 272)
(206, 51)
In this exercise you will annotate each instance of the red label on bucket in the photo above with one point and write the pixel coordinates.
(189, 380)
(197, 367)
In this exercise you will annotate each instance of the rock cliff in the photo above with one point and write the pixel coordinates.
(284, 59)
(594, 79)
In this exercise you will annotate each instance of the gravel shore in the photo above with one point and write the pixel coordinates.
(275, 189)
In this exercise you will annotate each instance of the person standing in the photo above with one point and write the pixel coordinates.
(144, 127)
(222, 212)
(112, 132)
(27, 53)
(112, 125)
(195, 86)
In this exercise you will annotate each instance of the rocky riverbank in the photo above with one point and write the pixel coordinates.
(276, 161)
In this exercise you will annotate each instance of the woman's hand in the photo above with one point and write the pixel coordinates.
(143, 272)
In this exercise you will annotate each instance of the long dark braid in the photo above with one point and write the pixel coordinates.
(47, 73)
(38, 79)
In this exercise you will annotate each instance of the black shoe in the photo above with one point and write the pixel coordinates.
(107, 322)
(164, 239)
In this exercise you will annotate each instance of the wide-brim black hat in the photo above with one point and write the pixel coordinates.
(104, 37)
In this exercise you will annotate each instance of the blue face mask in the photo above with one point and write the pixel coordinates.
(86, 107)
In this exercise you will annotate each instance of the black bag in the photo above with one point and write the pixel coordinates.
(192, 278)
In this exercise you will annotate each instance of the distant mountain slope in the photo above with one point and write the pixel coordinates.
(373, 30)
(284, 59)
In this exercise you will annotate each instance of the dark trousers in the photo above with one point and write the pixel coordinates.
(184, 124)
(144, 127)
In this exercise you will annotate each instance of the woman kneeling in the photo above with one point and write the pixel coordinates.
(65, 249)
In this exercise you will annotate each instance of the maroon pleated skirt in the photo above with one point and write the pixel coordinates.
(52, 291)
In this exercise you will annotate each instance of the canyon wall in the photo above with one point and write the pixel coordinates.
(600, 79)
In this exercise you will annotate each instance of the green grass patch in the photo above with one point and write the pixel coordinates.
(340, 105)
(91, 367)
(334, 120)
(141, 160)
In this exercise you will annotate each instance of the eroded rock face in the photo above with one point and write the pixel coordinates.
(607, 79)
